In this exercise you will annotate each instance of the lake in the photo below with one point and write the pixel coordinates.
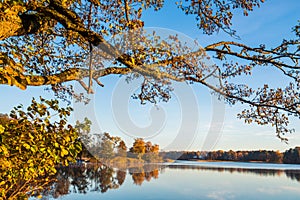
(179, 180)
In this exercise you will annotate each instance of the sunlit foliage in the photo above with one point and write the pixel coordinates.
(33, 141)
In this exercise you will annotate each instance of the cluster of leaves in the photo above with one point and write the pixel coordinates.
(32, 145)
(215, 15)
(267, 105)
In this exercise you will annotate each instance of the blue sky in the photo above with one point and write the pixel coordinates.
(115, 112)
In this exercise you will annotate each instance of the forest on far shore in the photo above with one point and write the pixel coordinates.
(291, 156)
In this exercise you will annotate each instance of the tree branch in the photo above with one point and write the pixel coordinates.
(260, 56)
(14, 24)
(73, 74)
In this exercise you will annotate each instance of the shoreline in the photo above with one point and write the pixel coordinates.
(238, 165)
(252, 161)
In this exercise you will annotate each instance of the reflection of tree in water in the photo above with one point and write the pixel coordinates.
(80, 179)
(106, 179)
(121, 175)
(147, 172)
(138, 178)
(68, 179)
(93, 178)
(62, 185)
(293, 174)
(79, 182)
(152, 174)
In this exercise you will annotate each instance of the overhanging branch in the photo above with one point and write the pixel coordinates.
(73, 74)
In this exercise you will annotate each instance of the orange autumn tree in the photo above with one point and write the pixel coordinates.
(145, 150)
(138, 148)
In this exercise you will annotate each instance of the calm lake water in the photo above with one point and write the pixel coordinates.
(180, 180)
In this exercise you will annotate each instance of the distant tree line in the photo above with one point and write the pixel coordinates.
(291, 156)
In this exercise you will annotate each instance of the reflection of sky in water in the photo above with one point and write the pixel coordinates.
(176, 182)
(194, 184)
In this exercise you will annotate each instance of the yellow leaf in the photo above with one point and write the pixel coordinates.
(31, 137)
(53, 170)
(67, 138)
(32, 149)
(4, 150)
(64, 152)
(66, 163)
(31, 169)
(30, 48)
(27, 146)
(1, 129)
